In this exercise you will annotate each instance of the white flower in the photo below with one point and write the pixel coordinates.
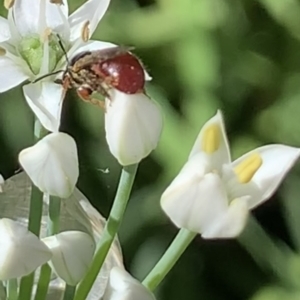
(21, 252)
(72, 254)
(212, 195)
(122, 286)
(29, 38)
(52, 164)
(133, 125)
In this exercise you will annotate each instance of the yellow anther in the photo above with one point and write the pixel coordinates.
(85, 33)
(9, 3)
(211, 139)
(248, 167)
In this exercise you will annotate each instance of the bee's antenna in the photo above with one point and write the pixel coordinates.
(59, 71)
(63, 48)
(47, 75)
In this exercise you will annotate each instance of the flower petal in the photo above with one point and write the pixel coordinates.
(4, 30)
(277, 160)
(72, 254)
(92, 11)
(21, 252)
(235, 189)
(12, 76)
(122, 286)
(89, 46)
(45, 99)
(232, 223)
(133, 125)
(220, 153)
(195, 200)
(52, 164)
(46, 15)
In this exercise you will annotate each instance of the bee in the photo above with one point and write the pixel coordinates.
(101, 70)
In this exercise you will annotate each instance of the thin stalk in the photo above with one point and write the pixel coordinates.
(169, 259)
(34, 225)
(69, 292)
(52, 228)
(12, 289)
(53, 216)
(43, 283)
(110, 230)
(34, 220)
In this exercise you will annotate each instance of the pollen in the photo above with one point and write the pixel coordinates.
(211, 139)
(85, 33)
(248, 167)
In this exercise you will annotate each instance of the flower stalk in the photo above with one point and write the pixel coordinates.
(34, 225)
(110, 230)
(12, 289)
(169, 259)
(69, 292)
(34, 220)
(52, 228)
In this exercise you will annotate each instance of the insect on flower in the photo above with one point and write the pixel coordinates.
(100, 71)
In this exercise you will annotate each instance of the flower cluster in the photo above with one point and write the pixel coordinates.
(213, 195)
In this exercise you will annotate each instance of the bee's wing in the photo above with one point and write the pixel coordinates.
(104, 54)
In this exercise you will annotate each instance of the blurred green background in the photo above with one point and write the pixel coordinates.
(240, 56)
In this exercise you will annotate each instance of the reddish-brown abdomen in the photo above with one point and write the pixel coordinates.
(124, 72)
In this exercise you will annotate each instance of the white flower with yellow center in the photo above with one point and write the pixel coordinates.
(30, 48)
(212, 195)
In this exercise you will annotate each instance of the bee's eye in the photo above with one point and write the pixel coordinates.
(78, 56)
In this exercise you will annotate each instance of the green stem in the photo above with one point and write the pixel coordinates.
(53, 216)
(35, 210)
(52, 228)
(268, 254)
(34, 225)
(43, 283)
(34, 219)
(69, 292)
(169, 259)
(12, 289)
(110, 230)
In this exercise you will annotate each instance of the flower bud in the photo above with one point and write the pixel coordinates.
(21, 252)
(72, 254)
(52, 164)
(122, 286)
(133, 125)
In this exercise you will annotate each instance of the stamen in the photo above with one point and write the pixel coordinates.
(9, 4)
(45, 35)
(85, 33)
(211, 139)
(247, 168)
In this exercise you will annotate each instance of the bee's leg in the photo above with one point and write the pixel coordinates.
(103, 91)
(85, 94)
